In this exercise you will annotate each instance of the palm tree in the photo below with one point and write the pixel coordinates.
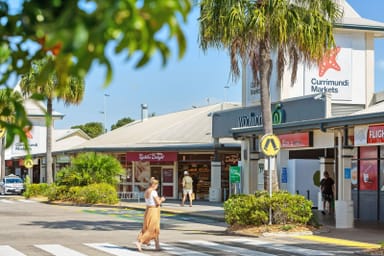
(299, 31)
(12, 119)
(42, 82)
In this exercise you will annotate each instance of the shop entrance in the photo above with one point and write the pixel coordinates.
(166, 176)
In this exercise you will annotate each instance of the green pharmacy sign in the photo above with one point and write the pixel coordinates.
(234, 174)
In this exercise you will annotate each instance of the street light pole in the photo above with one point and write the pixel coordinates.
(105, 112)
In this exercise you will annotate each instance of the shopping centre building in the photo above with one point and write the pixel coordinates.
(330, 119)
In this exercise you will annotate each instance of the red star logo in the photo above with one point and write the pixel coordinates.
(329, 61)
(28, 133)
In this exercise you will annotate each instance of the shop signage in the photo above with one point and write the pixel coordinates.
(368, 134)
(375, 134)
(152, 156)
(234, 174)
(296, 140)
(332, 75)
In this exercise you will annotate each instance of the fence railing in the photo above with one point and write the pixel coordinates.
(129, 195)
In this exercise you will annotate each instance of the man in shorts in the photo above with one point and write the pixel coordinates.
(187, 188)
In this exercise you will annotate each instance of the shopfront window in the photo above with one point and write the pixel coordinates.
(381, 184)
(368, 178)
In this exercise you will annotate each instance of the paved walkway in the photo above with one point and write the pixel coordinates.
(364, 234)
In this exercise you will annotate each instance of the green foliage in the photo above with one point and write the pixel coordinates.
(82, 30)
(254, 209)
(35, 190)
(92, 129)
(79, 33)
(90, 168)
(122, 122)
(290, 208)
(92, 194)
(13, 117)
(246, 210)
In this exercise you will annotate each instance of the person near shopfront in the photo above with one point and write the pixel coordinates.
(327, 186)
(151, 224)
(187, 183)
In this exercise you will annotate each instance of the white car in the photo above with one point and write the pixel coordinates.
(12, 184)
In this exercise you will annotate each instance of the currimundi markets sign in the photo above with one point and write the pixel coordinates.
(152, 156)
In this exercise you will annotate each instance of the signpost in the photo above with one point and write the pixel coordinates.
(270, 146)
(234, 178)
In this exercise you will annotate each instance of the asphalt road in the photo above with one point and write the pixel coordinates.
(32, 228)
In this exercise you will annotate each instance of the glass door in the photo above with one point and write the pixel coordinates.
(167, 182)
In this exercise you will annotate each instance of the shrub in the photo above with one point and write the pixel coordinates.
(90, 168)
(254, 209)
(34, 190)
(246, 210)
(97, 193)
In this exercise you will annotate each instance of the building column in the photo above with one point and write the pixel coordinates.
(215, 188)
(344, 205)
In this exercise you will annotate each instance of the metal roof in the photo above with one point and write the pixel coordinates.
(189, 129)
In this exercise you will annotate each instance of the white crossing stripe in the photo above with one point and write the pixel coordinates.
(282, 247)
(26, 201)
(180, 251)
(227, 248)
(114, 249)
(6, 250)
(58, 250)
(7, 201)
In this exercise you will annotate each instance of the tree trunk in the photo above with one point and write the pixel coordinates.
(49, 122)
(265, 66)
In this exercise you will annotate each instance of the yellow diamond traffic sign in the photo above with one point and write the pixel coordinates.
(270, 144)
(28, 163)
(2, 132)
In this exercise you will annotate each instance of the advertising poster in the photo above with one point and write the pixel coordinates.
(142, 174)
(368, 168)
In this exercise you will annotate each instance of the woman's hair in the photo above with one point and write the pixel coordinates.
(153, 181)
(326, 174)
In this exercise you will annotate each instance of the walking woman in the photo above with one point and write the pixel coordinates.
(151, 225)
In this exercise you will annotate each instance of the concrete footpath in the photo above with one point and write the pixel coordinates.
(364, 234)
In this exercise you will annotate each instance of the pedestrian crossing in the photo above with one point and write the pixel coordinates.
(15, 201)
(231, 246)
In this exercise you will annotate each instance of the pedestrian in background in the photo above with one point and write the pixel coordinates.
(327, 186)
(187, 183)
(151, 225)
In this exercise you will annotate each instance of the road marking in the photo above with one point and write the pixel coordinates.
(181, 251)
(282, 247)
(6, 250)
(227, 248)
(58, 250)
(26, 201)
(7, 201)
(114, 249)
(338, 241)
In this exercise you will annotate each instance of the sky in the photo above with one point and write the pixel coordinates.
(198, 79)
